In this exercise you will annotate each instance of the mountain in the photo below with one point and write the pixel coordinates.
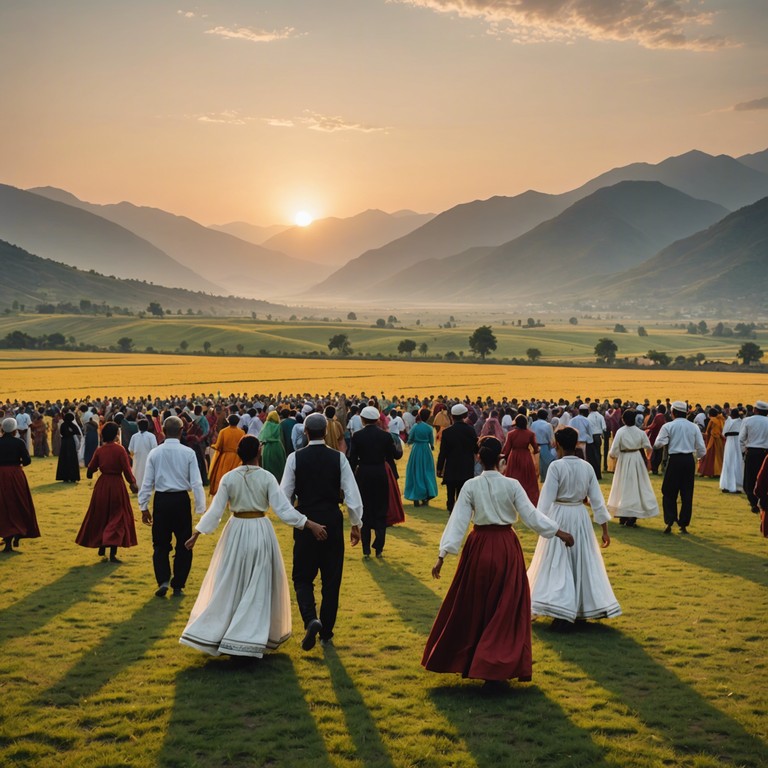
(609, 231)
(757, 160)
(241, 268)
(42, 281)
(251, 233)
(335, 241)
(720, 179)
(727, 261)
(479, 223)
(68, 234)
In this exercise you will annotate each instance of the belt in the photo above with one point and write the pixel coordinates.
(630, 450)
(731, 434)
(249, 515)
(566, 503)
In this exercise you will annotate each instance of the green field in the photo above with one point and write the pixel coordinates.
(92, 673)
(556, 341)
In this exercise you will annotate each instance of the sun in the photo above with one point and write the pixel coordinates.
(303, 219)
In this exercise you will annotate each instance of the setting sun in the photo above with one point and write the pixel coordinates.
(303, 219)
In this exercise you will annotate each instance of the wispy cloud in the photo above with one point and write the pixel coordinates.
(228, 117)
(650, 23)
(192, 15)
(314, 121)
(746, 106)
(251, 34)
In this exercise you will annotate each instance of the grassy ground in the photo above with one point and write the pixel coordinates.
(557, 340)
(91, 672)
(35, 375)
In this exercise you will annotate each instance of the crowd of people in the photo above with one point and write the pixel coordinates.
(304, 456)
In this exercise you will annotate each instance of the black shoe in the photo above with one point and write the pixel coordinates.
(178, 592)
(379, 554)
(683, 529)
(114, 559)
(668, 529)
(755, 509)
(162, 590)
(102, 551)
(8, 546)
(16, 540)
(310, 638)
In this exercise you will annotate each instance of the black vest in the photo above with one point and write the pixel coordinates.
(318, 484)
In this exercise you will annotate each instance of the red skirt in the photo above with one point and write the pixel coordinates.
(395, 511)
(483, 628)
(520, 466)
(109, 519)
(17, 511)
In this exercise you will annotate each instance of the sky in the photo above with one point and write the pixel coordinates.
(253, 110)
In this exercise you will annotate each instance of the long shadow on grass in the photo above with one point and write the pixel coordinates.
(521, 727)
(660, 698)
(124, 645)
(229, 712)
(699, 552)
(403, 533)
(360, 724)
(38, 608)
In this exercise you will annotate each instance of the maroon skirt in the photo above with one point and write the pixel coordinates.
(520, 466)
(395, 511)
(17, 511)
(483, 628)
(109, 519)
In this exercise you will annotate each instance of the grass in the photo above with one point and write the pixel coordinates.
(92, 673)
(41, 375)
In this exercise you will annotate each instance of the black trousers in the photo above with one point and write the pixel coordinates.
(678, 481)
(593, 454)
(452, 490)
(606, 441)
(753, 460)
(657, 456)
(311, 556)
(171, 517)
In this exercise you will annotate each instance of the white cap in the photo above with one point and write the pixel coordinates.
(680, 406)
(640, 409)
(10, 425)
(370, 413)
(761, 405)
(583, 407)
(459, 409)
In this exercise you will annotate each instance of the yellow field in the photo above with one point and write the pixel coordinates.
(51, 375)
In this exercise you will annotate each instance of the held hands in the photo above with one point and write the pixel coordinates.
(146, 518)
(190, 542)
(437, 567)
(354, 535)
(318, 531)
(134, 488)
(565, 537)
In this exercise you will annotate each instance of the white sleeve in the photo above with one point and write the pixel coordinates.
(352, 498)
(458, 522)
(616, 445)
(282, 507)
(196, 483)
(288, 483)
(596, 500)
(132, 444)
(663, 437)
(531, 516)
(549, 489)
(701, 449)
(209, 522)
(145, 492)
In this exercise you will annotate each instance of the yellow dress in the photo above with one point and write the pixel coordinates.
(225, 455)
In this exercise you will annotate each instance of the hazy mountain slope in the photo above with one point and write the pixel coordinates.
(728, 260)
(42, 281)
(251, 233)
(334, 241)
(241, 268)
(757, 160)
(720, 179)
(73, 236)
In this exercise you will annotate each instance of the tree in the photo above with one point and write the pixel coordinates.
(381, 323)
(703, 329)
(530, 323)
(451, 355)
(57, 340)
(155, 309)
(406, 347)
(341, 343)
(423, 348)
(749, 352)
(240, 349)
(692, 328)
(619, 328)
(351, 316)
(85, 305)
(206, 347)
(745, 330)
(700, 357)
(482, 341)
(184, 345)
(605, 350)
(659, 358)
(125, 344)
(392, 319)
(533, 353)
(719, 329)
(573, 320)
(641, 330)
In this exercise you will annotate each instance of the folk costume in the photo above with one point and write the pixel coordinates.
(517, 452)
(631, 497)
(68, 467)
(420, 481)
(712, 463)
(17, 510)
(225, 457)
(732, 476)
(456, 458)
(272, 450)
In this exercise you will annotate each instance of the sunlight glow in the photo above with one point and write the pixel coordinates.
(303, 219)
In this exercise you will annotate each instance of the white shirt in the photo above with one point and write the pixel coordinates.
(297, 436)
(23, 420)
(140, 446)
(249, 489)
(754, 432)
(172, 467)
(254, 426)
(682, 436)
(596, 422)
(409, 419)
(582, 426)
(492, 499)
(244, 422)
(352, 498)
(355, 424)
(506, 423)
(570, 480)
(396, 426)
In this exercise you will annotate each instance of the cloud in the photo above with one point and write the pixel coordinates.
(746, 106)
(228, 117)
(314, 121)
(251, 34)
(650, 23)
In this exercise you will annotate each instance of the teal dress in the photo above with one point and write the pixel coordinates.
(272, 451)
(420, 481)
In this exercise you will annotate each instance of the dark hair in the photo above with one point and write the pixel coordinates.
(143, 425)
(566, 438)
(233, 420)
(489, 451)
(661, 409)
(521, 422)
(330, 412)
(542, 414)
(713, 412)
(69, 416)
(424, 414)
(248, 448)
(109, 432)
(628, 417)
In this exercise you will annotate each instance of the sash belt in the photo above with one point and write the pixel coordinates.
(249, 515)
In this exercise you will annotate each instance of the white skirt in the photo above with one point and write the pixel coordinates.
(732, 474)
(571, 582)
(243, 608)
(631, 491)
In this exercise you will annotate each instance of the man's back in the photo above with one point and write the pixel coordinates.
(458, 444)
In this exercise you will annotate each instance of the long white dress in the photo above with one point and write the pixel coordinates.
(139, 447)
(243, 608)
(631, 491)
(732, 473)
(571, 582)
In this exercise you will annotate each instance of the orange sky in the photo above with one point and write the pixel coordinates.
(251, 111)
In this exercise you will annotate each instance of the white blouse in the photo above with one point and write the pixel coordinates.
(492, 499)
(249, 489)
(570, 480)
(629, 439)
